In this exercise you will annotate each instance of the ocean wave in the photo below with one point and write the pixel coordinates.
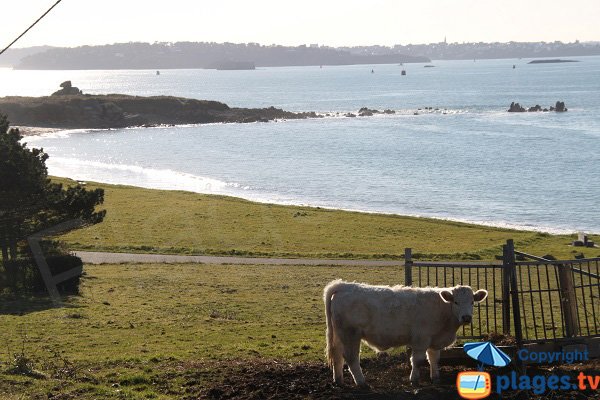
(134, 175)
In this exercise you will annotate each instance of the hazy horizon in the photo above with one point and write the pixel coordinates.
(334, 23)
(301, 44)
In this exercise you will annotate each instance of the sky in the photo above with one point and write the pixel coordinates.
(294, 22)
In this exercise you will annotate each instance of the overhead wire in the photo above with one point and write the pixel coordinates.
(31, 26)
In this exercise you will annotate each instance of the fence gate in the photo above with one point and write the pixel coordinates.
(535, 301)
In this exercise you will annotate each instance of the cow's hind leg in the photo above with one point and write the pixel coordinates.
(434, 369)
(337, 361)
(352, 356)
(417, 359)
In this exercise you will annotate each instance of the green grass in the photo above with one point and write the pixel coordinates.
(132, 323)
(159, 330)
(159, 221)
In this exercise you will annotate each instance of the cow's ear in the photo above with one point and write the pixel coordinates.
(480, 295)
(447, 296)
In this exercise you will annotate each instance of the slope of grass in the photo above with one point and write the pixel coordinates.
(132, 321)
(183, 331)
(159, 221)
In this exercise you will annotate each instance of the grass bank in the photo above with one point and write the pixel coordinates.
(175, 222)
(133, 324)
(189, 331)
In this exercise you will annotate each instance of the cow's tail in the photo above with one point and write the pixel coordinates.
(328, 293)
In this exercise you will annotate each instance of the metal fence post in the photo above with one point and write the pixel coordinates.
(510, 259)
(505, 291)
(408, 266)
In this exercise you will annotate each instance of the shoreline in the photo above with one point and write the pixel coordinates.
(143, 220)
(501, 225)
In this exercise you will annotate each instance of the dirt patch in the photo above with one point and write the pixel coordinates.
(387, 378)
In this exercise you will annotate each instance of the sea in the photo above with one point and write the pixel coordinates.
(451, 150)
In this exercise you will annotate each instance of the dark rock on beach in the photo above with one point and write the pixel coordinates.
(68, 108)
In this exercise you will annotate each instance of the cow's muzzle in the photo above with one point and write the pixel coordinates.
(466, 319)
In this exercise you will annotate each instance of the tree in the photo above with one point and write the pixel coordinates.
(29, 201)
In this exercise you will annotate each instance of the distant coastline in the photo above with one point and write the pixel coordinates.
(200, 56)
(194, 55)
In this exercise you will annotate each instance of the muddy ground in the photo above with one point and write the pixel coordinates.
(387, 378)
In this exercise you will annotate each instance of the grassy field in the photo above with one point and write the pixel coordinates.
(158, 221)
(135, 324)
(188, 331)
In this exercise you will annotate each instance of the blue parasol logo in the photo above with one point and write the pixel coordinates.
(487, 354)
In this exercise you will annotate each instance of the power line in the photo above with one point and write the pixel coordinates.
(31, 26)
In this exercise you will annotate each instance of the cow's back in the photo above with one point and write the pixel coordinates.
(385, 316)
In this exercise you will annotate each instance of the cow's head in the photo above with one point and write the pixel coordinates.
(462, 299)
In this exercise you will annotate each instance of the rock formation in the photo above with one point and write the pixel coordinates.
(67, 89)
(558, 107)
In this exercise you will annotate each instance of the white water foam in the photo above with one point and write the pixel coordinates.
(151, 178)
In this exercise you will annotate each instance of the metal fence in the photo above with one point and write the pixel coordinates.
(534, 301)
(558, 299)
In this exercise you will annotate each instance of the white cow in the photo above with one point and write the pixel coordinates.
(425, 319)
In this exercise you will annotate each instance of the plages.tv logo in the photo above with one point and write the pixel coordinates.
(473, 385)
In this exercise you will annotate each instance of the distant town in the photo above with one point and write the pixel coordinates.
(137, 55)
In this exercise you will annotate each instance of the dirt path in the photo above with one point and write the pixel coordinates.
(92, 257)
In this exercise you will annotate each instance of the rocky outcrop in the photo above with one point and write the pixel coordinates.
(516, 107)
(367, 112)
(559, 107)
(119, 111)
(552, 61)
(67, 89)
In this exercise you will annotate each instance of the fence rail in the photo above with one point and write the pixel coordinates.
(535, 301)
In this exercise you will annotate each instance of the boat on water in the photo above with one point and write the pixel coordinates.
(403, 72)
(157, 72)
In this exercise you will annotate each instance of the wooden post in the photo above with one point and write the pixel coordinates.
(568, 299)
(408, 266)
(505, 291)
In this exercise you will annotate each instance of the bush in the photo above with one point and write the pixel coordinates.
(62, 263)
(22, 276)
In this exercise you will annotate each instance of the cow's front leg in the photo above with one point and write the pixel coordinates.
(434, 368)
(416, 359)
